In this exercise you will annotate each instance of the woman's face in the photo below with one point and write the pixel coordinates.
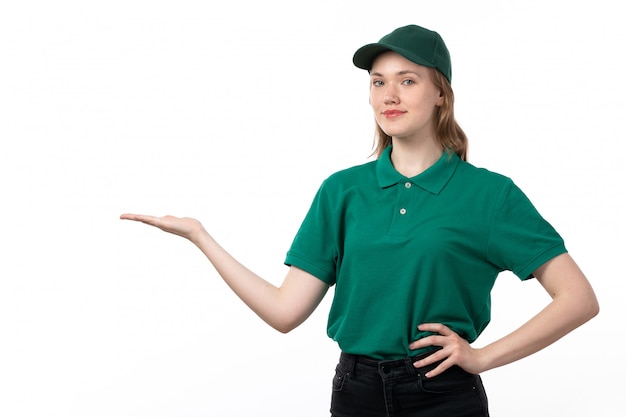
(403, 97)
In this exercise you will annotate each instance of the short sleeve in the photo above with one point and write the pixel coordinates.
(520, 239)
(315, 246)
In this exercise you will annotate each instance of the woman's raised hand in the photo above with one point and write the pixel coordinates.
(182, 226)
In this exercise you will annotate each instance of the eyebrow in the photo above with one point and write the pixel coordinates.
(404, 72)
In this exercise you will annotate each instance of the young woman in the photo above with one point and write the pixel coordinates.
(413, 243)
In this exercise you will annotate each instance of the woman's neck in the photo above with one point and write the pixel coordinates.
(412, 158)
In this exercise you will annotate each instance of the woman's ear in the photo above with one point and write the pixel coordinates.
(439, 101)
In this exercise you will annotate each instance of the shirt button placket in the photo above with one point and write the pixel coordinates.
(407, 185)
(399, 224)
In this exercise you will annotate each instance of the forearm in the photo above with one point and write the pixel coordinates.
(573, 303)
(283, 308)
(559, 318)
(259, 295)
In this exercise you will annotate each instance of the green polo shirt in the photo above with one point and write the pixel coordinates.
(404, 251)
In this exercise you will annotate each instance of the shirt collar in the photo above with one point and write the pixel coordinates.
(432, 180)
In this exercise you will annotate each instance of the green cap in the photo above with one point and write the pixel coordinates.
(415, 43)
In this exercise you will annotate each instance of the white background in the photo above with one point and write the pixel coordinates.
(234, 113)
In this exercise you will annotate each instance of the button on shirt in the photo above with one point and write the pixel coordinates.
(404, 251)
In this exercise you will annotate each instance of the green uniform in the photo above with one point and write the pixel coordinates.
(405, 251)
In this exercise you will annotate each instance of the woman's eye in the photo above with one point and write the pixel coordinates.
(377, 83)
(408, 82)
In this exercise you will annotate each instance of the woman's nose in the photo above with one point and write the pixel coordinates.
(391, 96)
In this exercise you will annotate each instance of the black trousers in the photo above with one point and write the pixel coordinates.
(363, 387)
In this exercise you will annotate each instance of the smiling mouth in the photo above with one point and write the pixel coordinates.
(392, 113)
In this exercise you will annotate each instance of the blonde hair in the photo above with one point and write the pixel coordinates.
(448, 132)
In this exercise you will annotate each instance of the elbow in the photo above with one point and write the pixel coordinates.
(286, 326)
(288, 320)
(591, 308)
(594, 308)
(282, 322)
(279, 326)
(284, 330)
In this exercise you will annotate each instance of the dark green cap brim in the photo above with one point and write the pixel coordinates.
(418, 45)
(365, 56)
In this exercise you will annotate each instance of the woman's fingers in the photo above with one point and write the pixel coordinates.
(180, 226)
(138, 217)
(435, 328)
